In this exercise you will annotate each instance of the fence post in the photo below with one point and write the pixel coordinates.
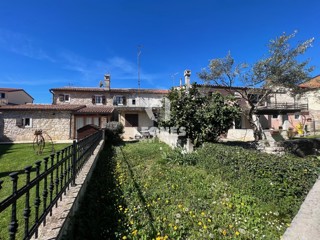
(27, 209)
(74, 161)
(13, 227)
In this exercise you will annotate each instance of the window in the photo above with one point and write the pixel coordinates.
(133, 102)
(98, 99)
(275, 116)
(296, 116)
(119, 100)
(64, 98)
(27, 122)
(2, 95)
(24, 122)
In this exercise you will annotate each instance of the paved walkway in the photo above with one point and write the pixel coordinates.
(306, 224)
(58, 222)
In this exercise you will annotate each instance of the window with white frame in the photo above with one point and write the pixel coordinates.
(98, 99)
(119, 100)
(27, 122)
(24, 122)
(64, 97)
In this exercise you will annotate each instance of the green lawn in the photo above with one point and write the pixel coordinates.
(14, 158)
(144, 193)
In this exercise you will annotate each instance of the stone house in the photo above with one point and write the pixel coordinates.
(14, 96)
(136, 109)
(312, 94)
(19, 122)
(280, 110)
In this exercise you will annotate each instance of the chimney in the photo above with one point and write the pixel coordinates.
(187, 74)
(107, 81)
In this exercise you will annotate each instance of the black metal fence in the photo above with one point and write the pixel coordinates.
(52, 178)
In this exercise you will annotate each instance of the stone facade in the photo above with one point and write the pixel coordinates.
(140, 102)
(56, 124)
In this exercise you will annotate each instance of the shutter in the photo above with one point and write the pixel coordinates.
(124, 100)
(114, 100)
(61, 97)
(19, 122)
(93, 99)
(103, 99)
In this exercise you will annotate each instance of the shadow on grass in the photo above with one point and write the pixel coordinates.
(98, 216)
(140, 194)
(6, 174)
(4, 148)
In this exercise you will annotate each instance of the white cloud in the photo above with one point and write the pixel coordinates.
(23, 45)
(119, 68)
(12, 81)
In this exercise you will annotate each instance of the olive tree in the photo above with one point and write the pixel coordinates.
(281, 67)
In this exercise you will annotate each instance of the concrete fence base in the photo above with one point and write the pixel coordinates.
(57, 224)
(173, 140)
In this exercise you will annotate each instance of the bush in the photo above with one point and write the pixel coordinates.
(113, 132)
(177, 156)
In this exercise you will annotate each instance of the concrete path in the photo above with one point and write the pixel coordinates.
(58, 222)
(306, 224)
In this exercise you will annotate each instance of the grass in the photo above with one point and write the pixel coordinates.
(143, 196)
(14, 158)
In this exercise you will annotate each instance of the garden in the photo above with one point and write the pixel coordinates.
(145, 190)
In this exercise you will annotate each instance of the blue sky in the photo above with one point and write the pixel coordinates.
(46, 44)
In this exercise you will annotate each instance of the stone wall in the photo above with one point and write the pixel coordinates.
(56, 124)
(85, 98)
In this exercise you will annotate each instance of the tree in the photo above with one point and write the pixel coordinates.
(204, 118)
(281, 68)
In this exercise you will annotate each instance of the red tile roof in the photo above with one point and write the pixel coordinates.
(66, 107)
(112, 90)
(10, 89)
(312, 83)
(98, 109)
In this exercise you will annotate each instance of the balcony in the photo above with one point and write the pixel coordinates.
(281, 108)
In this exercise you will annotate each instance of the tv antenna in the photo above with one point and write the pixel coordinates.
(138, 59)
(173, 78)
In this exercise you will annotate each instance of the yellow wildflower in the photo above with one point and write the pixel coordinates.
(237, 233)
(124, 237)
(224, 232)
(199, 223)
(175, 228)
(134, 232)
